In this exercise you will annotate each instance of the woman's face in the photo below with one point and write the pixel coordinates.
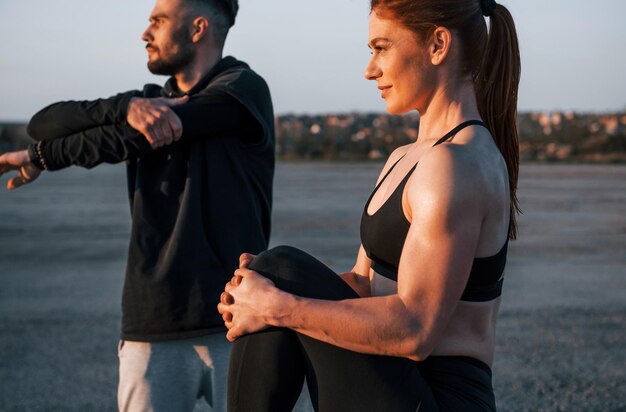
(400, 65)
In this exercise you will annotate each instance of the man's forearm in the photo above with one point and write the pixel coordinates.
(105, 144)
(71, 117)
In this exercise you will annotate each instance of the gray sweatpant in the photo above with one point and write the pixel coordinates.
(172, 376)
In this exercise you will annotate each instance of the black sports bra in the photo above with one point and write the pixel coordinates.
(383, 235)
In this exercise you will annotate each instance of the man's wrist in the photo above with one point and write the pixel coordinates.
(35, 155)
(123, 106)
(32, 148)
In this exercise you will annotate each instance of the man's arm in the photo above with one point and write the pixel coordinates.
(202, 117)
(70, 117)
(153, 122)
(105, 144)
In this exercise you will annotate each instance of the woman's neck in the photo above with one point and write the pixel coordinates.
(448, 107)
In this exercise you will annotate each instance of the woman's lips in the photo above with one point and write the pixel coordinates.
(385, 90)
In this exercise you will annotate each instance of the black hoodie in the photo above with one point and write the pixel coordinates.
(196, 204)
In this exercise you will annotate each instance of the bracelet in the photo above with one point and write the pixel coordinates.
(35, 151)
(42, 161)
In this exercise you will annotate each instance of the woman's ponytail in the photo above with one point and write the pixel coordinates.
(496, 83)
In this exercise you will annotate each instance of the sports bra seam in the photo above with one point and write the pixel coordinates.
(506, 242)
(381, 262)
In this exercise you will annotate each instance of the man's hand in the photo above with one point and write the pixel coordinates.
(154, 119)
(20, 161)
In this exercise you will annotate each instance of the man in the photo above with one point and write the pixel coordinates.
(200, 160)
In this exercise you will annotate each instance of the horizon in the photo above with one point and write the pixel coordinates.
(384, 113)
(95, 51)
(7, 121)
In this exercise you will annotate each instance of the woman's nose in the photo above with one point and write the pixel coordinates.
(372, 71)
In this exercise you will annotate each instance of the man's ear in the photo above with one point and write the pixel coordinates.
(201, 27)
(441, 40)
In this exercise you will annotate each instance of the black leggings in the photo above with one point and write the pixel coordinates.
(267, 369)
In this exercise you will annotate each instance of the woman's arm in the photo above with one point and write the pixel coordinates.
(434, 268)
(359, 277)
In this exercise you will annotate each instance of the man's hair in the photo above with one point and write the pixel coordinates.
(221, 13)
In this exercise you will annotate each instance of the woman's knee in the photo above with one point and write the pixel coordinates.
(297, 272)
(272, 260)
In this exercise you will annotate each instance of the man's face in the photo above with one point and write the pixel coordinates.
(168, 38)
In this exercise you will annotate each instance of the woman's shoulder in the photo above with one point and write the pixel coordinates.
(449, 167)
(393, 158)
(396, 155)
(457, 172)
(465, 154)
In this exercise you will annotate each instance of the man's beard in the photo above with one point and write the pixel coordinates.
(174, 63)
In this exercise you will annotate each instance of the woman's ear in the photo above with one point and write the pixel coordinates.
(441, 40)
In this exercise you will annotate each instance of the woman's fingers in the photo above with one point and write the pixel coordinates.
(226, 298)
(227, 315)
(232, 334)
(246, 259)
(244, 272)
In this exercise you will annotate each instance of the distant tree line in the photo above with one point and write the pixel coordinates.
(544, 136)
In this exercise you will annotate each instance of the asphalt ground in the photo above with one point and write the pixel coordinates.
(561, 344)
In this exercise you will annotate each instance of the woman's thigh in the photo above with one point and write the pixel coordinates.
(339, 379)
(343, 380)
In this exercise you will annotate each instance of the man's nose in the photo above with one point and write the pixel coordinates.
(146, 35)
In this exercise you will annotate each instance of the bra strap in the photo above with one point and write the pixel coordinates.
(459, 128)
(387, 174)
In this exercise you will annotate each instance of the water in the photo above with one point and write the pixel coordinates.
(63, 242)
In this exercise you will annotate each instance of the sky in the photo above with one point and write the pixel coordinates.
(311, 52)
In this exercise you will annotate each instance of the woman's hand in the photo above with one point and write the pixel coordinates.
(247, 303)
(245, 260)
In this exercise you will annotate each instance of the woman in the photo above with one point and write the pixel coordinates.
(425, 289)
